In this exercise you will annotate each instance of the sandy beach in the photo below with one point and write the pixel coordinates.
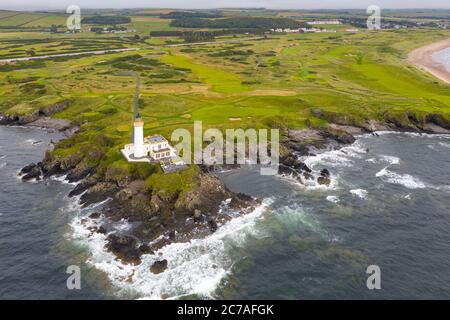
(422, 58)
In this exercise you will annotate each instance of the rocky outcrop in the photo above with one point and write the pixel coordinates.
(32, 171)
(206, 197)
(124, 247)
(23, 119)
(159, 266)
(325, 178)
(438, 120)
(83, 186)
(338, 135)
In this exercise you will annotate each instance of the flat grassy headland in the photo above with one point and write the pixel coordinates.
(288, 81)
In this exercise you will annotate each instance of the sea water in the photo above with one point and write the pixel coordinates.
(443, 57)
(388, 205)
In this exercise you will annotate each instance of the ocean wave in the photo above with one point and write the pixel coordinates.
(195, 267)
(313, 185)
(443, 144)
(63, 179)
(405, 180)
(413, 134)
(391, 159)
(337, 158)
(372, 160)
(334, 199)
(361, 193)
(291, 217)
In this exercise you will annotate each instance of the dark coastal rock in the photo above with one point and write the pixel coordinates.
(212, 224)
(172, 235)
(324, 181)
(98, 193)
(159, 267)
(299, 148)
(206, 197)
(197, 215)
(292, 162)
(124, 247)
(82, 186)
(287, 171)
(27, 169)
(438, 120)
(340, 136)
(81, 171)
(33, 173)
(124, 194)
(325, 173)
(308, 176)
(94, 215)
(16, 119)
(325, 177)
(145, 249)
(102, 230)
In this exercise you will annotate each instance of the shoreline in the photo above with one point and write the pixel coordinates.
(423, 59)
(88, 231)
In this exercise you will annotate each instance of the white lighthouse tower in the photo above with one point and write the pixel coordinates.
(139, 150)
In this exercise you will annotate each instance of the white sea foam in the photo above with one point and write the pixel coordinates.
(314, 185)
(443, 144)
(337, 158)
(293, 216)
(391, 159)
(415, 134)
(3, 164)
(2, 157)
(196, 267)
(63, 179)
(405, 180)
(361, 193)
(334, 199)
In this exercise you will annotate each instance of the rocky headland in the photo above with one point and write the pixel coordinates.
(161, 217)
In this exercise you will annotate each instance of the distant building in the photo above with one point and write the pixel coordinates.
(301, 30)
(323, 22)
(316, 30)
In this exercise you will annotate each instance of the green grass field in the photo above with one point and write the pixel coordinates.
(270, 82)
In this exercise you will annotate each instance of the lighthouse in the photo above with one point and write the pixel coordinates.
(139, 150)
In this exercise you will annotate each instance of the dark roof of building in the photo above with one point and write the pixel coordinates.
(156, 139)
